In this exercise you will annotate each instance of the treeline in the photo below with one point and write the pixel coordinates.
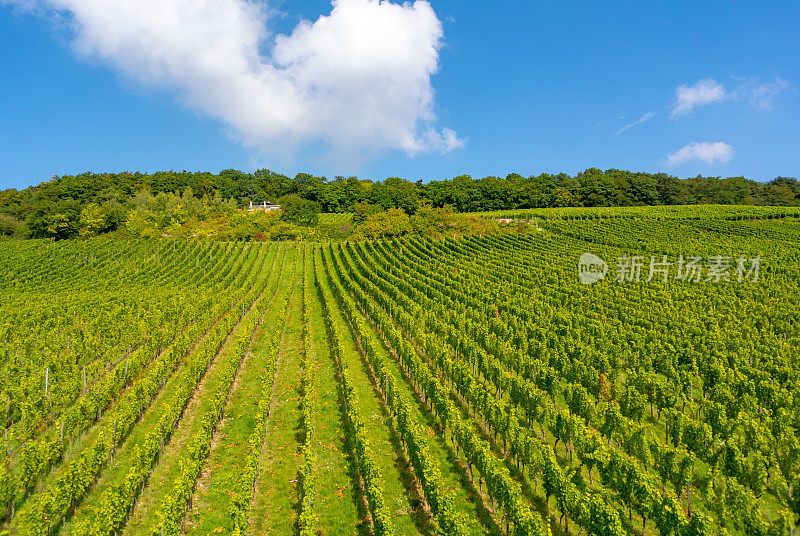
(93, 203)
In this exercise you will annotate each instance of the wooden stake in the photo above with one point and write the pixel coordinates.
(689, 497)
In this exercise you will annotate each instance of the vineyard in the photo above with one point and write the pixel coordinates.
(460, 386)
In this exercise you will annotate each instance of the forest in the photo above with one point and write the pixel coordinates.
(205, 204)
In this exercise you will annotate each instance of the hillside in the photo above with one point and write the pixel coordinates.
(411, 385)
(206, 205)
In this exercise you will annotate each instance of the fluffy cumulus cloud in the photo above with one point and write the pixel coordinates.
(355, 82)
(708, 152)
(687, 98)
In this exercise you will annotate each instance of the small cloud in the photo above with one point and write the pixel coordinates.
(450, 18)
(705, 91)
(710, 153)
(645, 117)
(762, 97)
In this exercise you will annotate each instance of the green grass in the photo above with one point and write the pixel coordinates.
(115, 472)
(118, 467)
(338, 501)
(409, 517)
(144, 519)
(213, 497)
(454, 477)
(276, 494)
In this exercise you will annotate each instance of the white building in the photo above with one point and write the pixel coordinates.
(263, 206)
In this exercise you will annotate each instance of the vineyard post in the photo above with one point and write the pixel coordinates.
(9, 503)
(84, 378)
(689, 497)
(47, 390)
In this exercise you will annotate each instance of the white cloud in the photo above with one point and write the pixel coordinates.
(645, 117)
(762, 97)
(710, 153)
(357, 81)
(705, 91)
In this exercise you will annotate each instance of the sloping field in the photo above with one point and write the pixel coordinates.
(464, 386)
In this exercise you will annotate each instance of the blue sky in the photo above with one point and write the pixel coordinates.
(524, 87)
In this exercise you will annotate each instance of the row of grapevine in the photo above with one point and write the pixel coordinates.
(498, 409)
(38, 454)
(518, 439)
(503, 416)
(412, 434)
(172, 510)
(750, 515)
(190, 361)
(747, 515)
(308, 518)
(354, 426)
(501, 486)
(40, 451)
(55, 359)
(245, 486)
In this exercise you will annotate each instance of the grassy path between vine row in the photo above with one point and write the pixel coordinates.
(466, 499)
(144, 519)
(337, 497)
(276, 495)
(116, 471)
(408, 514)
(454, 476)
(209, 513)
(580, 472)
(533, 493)
(85, 439)
(479, 495)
